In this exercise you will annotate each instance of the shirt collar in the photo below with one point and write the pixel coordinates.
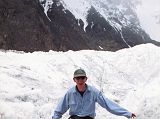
(88, 89)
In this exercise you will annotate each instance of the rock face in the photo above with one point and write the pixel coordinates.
(25, 27)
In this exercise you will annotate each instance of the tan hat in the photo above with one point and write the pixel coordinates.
(79, 72)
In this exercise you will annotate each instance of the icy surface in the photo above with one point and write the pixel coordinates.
(31, 84)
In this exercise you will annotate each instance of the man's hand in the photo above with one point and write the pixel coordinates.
(133, 116)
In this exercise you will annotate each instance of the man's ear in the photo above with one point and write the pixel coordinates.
(86, 78)
(74, 79)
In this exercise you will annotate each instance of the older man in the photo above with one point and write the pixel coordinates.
(81, 100)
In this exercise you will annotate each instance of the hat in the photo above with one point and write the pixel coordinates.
(79, 72)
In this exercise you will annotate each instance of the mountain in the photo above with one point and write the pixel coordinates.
(61, 25)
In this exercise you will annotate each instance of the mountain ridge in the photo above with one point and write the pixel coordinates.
(28, 26)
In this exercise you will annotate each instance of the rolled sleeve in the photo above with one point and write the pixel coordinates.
(112, 107)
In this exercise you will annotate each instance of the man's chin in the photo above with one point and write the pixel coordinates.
(81, 84)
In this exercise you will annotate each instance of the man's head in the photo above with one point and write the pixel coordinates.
(79, 72)
(80, 76)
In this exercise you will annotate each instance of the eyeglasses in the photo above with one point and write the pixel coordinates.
(80, 77)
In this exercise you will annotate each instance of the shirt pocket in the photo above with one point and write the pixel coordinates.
(72, 103)
(88, 100)
(72, 106)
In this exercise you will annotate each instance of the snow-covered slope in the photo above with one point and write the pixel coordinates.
(142, 13)
(31, 84)
(110, 10)
(149, 15)
(119, 13)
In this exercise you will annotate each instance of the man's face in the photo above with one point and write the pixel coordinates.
(80, 80)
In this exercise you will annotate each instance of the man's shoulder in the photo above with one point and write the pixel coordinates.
(92, 88)
(72, 89)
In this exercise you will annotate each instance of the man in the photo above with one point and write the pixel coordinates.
(81, 101)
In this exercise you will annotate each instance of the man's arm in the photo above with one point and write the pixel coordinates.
(61, 108)
(111, 106)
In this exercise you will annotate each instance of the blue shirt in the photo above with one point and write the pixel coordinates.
(85, 106)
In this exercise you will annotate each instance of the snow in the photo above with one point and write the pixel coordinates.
(79, 8)
(31, 84)
(149, 15)
(148, 12)
(47, 4)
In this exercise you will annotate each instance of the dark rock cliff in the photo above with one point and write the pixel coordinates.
(24, 26)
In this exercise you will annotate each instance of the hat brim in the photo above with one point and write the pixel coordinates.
(78, 75)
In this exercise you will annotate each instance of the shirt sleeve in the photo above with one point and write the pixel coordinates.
(61, 108)
(112, 107)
